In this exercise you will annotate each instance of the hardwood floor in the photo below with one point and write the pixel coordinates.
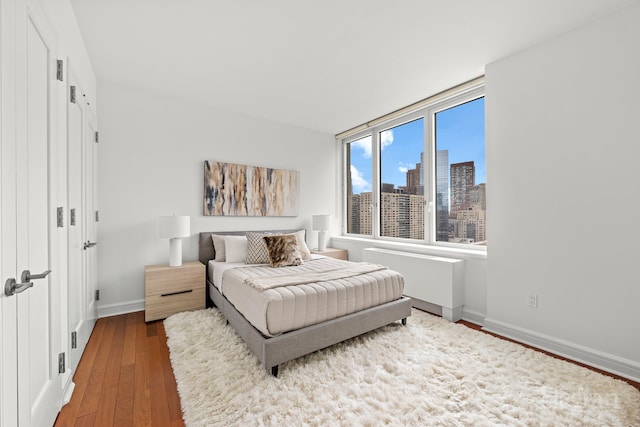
(125, 378)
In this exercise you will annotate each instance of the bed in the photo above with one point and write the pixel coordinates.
(292, 332)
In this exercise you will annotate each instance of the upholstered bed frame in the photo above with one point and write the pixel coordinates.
(272, 351)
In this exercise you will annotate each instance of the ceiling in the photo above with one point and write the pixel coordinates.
(324, 65)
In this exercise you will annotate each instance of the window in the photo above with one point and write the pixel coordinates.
(359, 179)
(421, 177)
(401, 180)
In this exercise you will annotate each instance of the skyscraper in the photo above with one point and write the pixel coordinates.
(414, 179)
(442, 195)
(462, 181)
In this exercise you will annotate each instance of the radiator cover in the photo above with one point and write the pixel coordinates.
(435, 280)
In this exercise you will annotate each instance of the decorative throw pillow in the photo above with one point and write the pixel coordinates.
(235, 248)
(256, 249)
(283, 250)
(302, 246)
(218, 247)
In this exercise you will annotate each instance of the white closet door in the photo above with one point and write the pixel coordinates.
(38, 306)
(82, 232)
(77, 292)
(92, 217)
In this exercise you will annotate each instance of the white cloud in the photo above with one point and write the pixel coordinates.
(365, 145)
(404, 167)
(358, 182)
(386, 138)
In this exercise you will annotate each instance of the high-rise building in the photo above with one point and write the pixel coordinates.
(366, 220)
(462, 181)
(442, 195)
(394, 211)
(479, 197)
(414, 178)
(353, 214)
(416, 217)
(471, 226)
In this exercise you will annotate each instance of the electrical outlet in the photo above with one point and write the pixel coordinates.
(533, 300)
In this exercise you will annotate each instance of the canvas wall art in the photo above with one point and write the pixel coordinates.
(239, 190)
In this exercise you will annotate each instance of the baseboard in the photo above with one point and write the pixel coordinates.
(120, 308)
(607, 362)
(473, 317)
(68, 393)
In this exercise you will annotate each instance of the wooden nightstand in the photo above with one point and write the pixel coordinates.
(169, 290)
(333, 253)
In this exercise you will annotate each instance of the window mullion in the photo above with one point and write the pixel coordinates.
(429, 178)
(375, 199)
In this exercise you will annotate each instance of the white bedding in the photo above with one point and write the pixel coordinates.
(285, 308)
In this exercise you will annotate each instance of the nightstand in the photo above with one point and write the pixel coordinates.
(333, 253)
(169, 290)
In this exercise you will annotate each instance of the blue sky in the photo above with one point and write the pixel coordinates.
(459, 129)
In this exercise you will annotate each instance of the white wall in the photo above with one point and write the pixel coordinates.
(151, 162)
(563, 145)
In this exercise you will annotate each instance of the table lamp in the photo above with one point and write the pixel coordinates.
(174, 228)
(321, 224)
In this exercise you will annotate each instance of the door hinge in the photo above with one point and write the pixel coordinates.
(72, 217)
(72, 94)
(97, 216)
(74, 339)
(60, 213)
(97, 294)
(61, 363)
(59, 70)
(97, 138)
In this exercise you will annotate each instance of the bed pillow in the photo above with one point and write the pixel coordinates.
(256, 248)
(283, 250)
(235, 248)
(218, 247)
(302, 246)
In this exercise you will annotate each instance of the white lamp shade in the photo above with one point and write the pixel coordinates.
(174, 226)
(321, 222)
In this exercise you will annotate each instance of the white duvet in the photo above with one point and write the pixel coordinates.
(286, 308)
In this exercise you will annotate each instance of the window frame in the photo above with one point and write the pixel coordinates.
(427, 111)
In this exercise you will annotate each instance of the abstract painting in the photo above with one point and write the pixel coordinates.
(239, 190)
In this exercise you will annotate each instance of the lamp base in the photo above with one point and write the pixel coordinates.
(322, 240)
(175, 252)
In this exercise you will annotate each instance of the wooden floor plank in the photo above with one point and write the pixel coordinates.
(129, 349)
(157, 392)
(92, 393)
(85, 421)
(173, 398)
(106, 409)
(141, 393)
(124, 401)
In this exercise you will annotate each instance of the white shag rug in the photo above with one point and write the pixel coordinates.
(430, 372)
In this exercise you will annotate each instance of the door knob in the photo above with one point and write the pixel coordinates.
(89, 244)
(11, 287)
(27, 276)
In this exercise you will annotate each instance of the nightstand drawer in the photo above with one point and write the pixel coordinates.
(162, 281)
(166, 304)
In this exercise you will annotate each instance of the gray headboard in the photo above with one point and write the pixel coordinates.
(205, 244)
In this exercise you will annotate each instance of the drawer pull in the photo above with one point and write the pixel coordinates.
(176, 293)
